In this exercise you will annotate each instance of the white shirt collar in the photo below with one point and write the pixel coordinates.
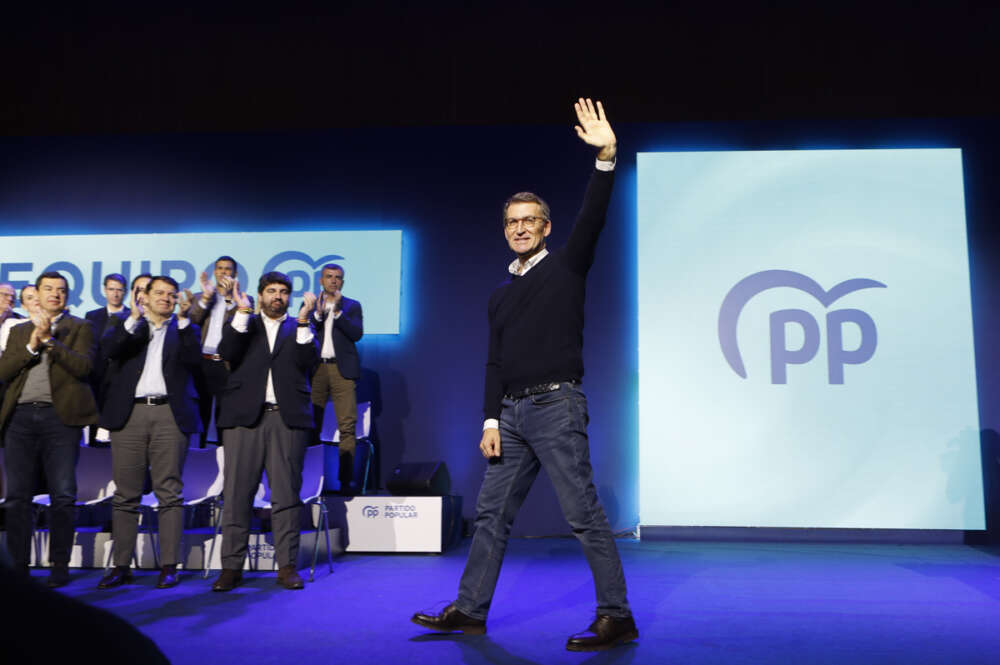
(273, 322)
(516, 268)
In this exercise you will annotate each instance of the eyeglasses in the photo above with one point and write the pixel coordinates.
(530, 222)
(8, 296)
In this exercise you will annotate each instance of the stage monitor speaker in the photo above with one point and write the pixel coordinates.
(420, 479)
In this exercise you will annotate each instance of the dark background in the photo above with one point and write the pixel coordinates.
(426, 116)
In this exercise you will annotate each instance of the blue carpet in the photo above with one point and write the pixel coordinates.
(693, 603)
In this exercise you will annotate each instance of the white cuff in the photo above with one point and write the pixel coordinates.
(241, 321)
(183, 323)
(130, 324)
(304, 335)
(491, 423)
(602, 165)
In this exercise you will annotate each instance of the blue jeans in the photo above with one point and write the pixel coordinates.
(550, 431)
(37, 442)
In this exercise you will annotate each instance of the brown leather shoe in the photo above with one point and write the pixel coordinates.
(58, 576)
(289, 578)
(168, 577)
(604, 633)
(228, 580)
(119, 576)
(451, 620)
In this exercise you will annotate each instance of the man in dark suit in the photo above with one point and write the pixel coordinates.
(103, 319)
(151, 409)
(212, 309)
(266, 418)
(114, 294)
(340, 324)
(47, 402)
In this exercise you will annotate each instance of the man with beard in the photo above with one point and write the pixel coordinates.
(266, 418)
(47, 402)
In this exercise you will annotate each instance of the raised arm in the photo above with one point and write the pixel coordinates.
(236, 335)
(202, 305)
(594, 130)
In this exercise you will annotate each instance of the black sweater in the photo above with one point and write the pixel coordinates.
(536, 321)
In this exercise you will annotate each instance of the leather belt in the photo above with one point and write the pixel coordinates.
(36, 405)
(328, 360)
(211, 356)
(268, 406)
(539, 389)
(152, 401)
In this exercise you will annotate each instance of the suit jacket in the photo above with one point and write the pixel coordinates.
(102, 323)
(14, 316)
(73, 354)
(346, 330)
(127, 355)
(202, 315)
(291, 365)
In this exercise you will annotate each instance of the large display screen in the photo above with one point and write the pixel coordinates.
(805, 341)
(371, 260)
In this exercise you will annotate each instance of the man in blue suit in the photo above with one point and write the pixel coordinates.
(340, 324)
(266, 418)
(151, 409)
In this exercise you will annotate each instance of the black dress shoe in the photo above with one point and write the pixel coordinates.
(228, 580)
(168, 577)
(58, 576)
(289, 578)
(118, 576)
(451, 620)
(604, 633)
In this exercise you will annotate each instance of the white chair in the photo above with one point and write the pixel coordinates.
(311, 494)
(94, 487)
(202, 478)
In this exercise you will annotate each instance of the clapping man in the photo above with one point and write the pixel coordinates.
(212, 309)
(266, 418)
(341, 325)
(151, 410)
(47, 402)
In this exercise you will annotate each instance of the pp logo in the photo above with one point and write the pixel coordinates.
(370, 511)
(781, 355)
(302, 269)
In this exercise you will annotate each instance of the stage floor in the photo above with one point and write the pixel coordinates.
(693, 603)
